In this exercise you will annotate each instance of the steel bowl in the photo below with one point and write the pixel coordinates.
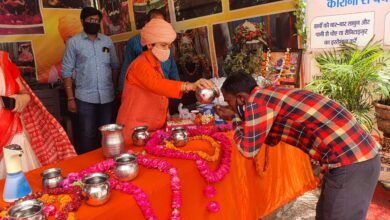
(96, 188)
(126, 167)
(51, 178)
(206, 96)
(179, 136)
(27, 210)
(140, 135)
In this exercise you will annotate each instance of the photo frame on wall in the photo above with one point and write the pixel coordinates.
(67, 4)
(282, 67)
(141, 9)
(116, 18)
(193, 57)
(239, 4)
(190, 9)
(22, 54)
(239, 44)
(21, 18)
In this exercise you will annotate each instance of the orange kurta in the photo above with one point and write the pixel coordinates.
(145, 95)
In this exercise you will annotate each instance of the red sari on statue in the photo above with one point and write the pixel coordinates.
(36, 129)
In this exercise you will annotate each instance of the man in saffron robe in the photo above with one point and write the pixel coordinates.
(146, 91)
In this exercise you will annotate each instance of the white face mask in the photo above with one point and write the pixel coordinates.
(161, 54)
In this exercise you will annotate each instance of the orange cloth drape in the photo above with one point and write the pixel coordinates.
(242, 194)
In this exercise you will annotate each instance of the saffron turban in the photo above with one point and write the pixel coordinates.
(157, 31)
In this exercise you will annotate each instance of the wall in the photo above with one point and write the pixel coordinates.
(48, 48)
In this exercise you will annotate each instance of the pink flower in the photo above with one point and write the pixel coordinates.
(213, 207)
(49, 210)
(209, 191)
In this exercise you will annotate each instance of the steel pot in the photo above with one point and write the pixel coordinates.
(206, 96)
(51, 178)
(126, 167)
(140, 135)
(112, 140)
(96, 188)
(179, 136)
(27, 210)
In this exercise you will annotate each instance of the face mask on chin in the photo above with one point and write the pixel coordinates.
(91, 28)
(161, 54)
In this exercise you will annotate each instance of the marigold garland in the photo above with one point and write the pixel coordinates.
(59, 203)
(202, 154)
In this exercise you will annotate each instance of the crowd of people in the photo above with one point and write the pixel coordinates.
(322, 128)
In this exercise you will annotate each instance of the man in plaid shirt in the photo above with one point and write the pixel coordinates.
(317, 125)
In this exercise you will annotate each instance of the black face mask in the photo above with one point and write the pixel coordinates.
(91, 28)
(241, 111)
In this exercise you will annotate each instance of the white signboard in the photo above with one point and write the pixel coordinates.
(387, 30)
(331, 31)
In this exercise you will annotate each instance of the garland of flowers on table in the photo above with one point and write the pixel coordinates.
(204, 155)
(70, 197)
(156, 146)
(69, 201)
(127, 187)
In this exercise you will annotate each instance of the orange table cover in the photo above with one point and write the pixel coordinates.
(242, 194)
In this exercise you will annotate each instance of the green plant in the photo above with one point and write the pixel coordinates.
(250, 63)
(299, 13)
(355, 78)
(384, 98)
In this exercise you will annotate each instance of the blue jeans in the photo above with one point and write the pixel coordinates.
(91, 117)
(347, 191)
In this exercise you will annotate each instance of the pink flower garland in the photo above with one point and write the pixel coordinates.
(155, 146)
(140, 196)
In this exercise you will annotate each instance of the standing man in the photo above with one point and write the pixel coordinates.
(92, 57)
(134, 48)
(322, 128)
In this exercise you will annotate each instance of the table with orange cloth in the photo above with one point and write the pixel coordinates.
(242, 194)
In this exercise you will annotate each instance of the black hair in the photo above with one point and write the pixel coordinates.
(90, 11)
(154, 12)
(239, 82)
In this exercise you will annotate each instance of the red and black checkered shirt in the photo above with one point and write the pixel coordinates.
(317, 125)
